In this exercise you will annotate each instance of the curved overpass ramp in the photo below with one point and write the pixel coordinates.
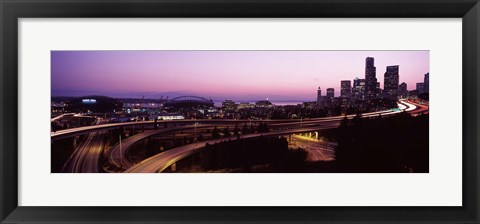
(162, 161)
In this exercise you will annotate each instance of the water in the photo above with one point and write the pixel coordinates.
(277, 103)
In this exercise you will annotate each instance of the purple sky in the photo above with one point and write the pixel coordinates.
(238, 75)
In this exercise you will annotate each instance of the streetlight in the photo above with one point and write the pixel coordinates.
(195, 136)
(195, 126)
(121, 152)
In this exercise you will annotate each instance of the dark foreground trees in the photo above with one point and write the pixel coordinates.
(388, 144)
(394, 144)
(264, 154)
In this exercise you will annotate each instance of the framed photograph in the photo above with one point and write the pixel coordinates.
(247, 112)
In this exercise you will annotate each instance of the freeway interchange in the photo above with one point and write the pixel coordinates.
(87, 155)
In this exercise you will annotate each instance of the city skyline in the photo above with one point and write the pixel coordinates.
(237, 75)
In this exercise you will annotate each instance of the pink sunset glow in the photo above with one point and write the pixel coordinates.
(238, 75)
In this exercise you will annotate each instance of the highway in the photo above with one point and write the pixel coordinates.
(416, 108)
(85, 157)
(61, 116)
(163, 160)
(117, 155)
(91, 163)
(318, 150)
(66, 133)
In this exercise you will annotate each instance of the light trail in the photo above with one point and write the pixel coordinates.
(117, 156)
(61, 116)
(86, 157)
(83, 130)
(407, 106)
(162, 161)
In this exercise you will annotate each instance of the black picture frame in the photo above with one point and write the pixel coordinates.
(12, 10)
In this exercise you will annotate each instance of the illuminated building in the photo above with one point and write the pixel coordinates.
(426, 83)
(390, 85)
(345, 89)
(228, 105)
(319, 95)
(358, 90)
(330, 93)
(245, 105)
(170, 117)
(420, 87)
(370, 78)
(402, 90)
(263, 103)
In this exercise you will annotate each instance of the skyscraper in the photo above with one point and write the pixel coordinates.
(390, 85)
(402, 90)
(426, 83)
(378, 91)
(319, 96)
(330, 93)
(358, 88)
(420, 87)
(370, 78)
(345, 88)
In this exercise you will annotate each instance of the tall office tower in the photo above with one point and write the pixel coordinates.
(345, 88)
(420, 87)
(330, 93)
(370, 78)
(379, 91)
(354, 88)
(426, 83)
(358, 88)
(319, 95)
(390, 85)
(402, 90)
